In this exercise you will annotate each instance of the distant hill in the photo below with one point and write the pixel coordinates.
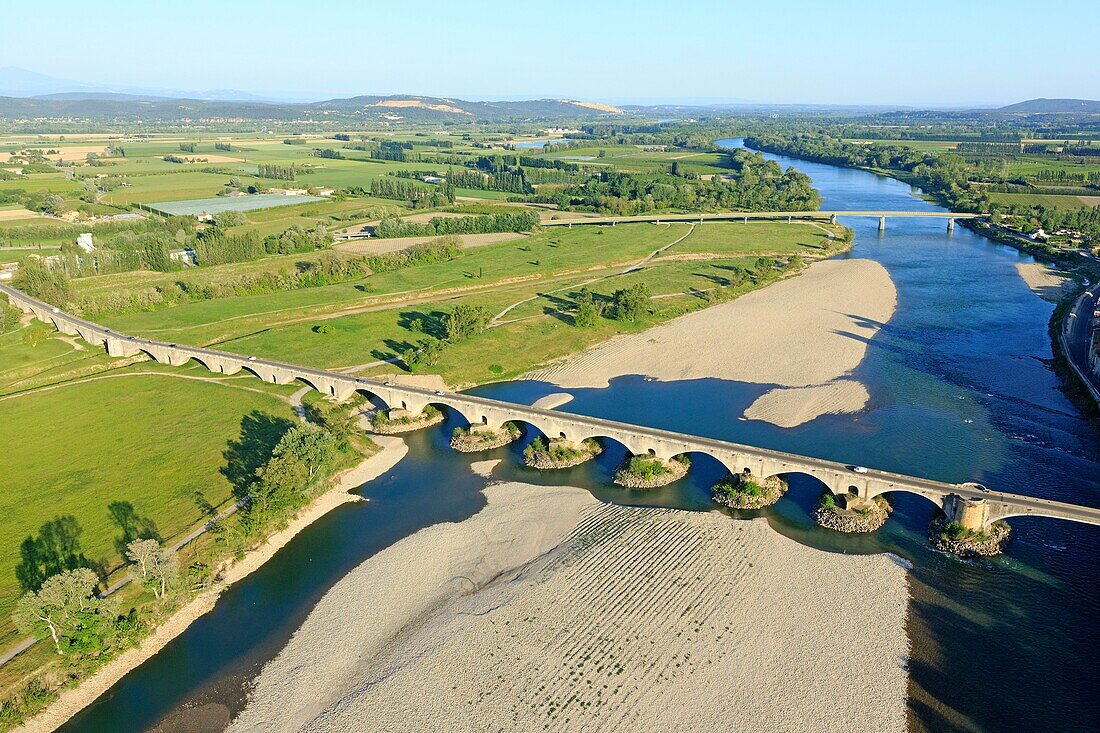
(1053, 106)
(388, 109)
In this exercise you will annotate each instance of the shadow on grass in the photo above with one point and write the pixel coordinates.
(259, 434)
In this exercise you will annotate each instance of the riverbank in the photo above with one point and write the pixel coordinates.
(72, 701)
(544, 625)
(802, 336)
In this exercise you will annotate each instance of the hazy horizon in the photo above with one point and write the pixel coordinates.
(623, 53)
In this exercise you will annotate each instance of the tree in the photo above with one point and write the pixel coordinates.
(142, 553)
(309, 444)
(631, 303)
(586, 316)
(164, 571)
(55, 607)
(465, 321)
(426, 351)
(38, 281)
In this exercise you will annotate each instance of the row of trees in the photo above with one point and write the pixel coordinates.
(417, 195)
(280, 171)
(518, 220)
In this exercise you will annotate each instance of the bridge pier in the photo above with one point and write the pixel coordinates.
(882, 223)
(950, 225)
(167, 356)
(968, 529)
(119, 347)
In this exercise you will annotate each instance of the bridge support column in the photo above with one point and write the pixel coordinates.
(970, 513)
(950, 225)
(120, 347)
(746, 220)
(882, 223)
(965, 530)
(790, 219)
(570, 225)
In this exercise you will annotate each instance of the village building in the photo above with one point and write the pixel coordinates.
(185, 256)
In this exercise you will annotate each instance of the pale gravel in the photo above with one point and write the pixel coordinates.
(1044, 281)
(804, 331)
(789, 407)
(517, 618)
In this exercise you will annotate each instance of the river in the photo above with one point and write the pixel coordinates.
(960, 391)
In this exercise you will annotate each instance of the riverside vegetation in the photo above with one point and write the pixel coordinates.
(269, 468)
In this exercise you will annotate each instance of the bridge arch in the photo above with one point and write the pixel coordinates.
(530, 429)
(270, 376)
(317, 385)
(819, 483)
(445, 406)
(605, 441)
(206, 362)
(373, 397)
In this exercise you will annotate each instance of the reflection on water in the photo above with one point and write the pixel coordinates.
(960, 390)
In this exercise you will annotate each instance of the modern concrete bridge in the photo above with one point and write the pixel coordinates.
(745, 216)
(971, 504)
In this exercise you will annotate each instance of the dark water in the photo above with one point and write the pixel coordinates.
(1010, 644)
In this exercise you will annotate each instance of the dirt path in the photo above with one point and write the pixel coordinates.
(223, 382)
(497, 319)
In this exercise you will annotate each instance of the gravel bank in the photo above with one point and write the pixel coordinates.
(550, 609)
(806, 332)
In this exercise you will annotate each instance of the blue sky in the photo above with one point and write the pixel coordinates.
(923, 52)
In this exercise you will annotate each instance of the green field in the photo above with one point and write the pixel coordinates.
(150, 440)
(1053, 201)
(371, 318)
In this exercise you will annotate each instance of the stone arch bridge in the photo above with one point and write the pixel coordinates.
(971, 504)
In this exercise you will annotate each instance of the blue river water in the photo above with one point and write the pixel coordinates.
(961, 390)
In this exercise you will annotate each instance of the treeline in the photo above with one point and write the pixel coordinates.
(511, 221)
(509, 181)
(215, 247)
(958, 182)
(280, 171)
(328, 269)
(275, 467)
(754, 184)
(418, 196)
(389, 150)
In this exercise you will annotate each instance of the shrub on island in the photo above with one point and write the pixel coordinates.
(744, 492)
(467, 440)
(559, 453)
(648, 472)
(391, 422)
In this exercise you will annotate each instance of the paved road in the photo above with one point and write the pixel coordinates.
(1076, 339)
(738, 215)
